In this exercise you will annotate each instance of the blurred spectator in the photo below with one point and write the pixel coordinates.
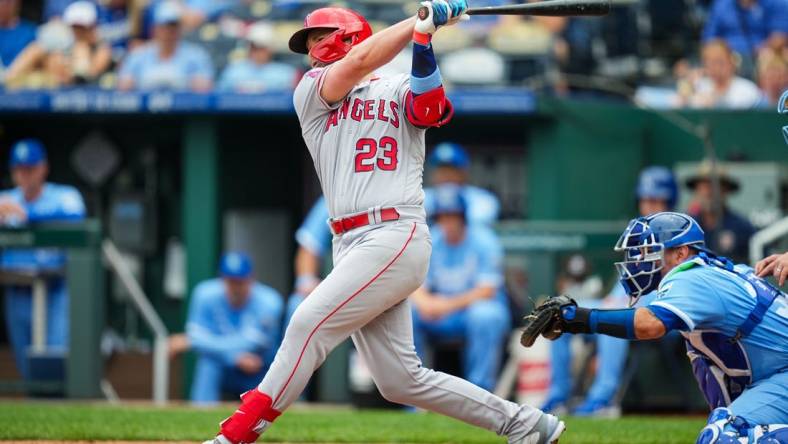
(462, 298)
(32, 201)
(70, 56)
(717, 86)
(167, 62)
(234, 327)
(748, 25)
(15, 33)
(728, 233)
(258, 73)
(450, 164)
(656, 191)
(772, 76)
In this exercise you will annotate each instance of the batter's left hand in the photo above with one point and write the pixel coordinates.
(441, 13)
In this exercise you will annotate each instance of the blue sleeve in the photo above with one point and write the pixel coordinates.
(777, 17)
(425, 75)
(132, 67)
(68, 206)
(711, 30)
(668, 318)
(490, 251)
(227, 78)
(199, 323)
(201, 64)
(225, 82)
(314, 234)
(692, 299)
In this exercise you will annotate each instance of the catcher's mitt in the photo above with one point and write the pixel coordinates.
(545, 320)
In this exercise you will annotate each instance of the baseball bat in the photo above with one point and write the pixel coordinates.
(554, 8)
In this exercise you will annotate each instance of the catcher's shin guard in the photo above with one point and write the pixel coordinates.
(251, 418)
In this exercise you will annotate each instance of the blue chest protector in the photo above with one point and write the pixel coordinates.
(720, 362)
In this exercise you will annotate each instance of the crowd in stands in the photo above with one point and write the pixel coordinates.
(715, 53)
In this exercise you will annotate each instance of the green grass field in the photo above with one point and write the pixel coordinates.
(62, 421)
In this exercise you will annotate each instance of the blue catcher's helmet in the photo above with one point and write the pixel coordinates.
(448, 200)
(449, 154)
(656, 182)
(643, 244)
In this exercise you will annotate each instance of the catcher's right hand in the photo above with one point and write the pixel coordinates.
(546, 320)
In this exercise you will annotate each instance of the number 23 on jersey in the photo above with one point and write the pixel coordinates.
(371, 154)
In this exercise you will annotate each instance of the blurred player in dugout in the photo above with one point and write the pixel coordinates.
(34, 200)
(234, 326)
(656, 191)
(462, 298)
(449, 164)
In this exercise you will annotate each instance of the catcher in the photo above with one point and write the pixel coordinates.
(735, 324)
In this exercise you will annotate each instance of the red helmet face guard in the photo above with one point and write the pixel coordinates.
(348, 28)
(332, 48)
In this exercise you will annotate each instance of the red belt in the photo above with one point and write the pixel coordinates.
(345, 224)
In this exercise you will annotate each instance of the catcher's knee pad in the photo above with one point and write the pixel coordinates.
(770, 434)
(723, 427)
(253, 416)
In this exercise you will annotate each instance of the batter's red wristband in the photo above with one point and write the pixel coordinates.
(422, 39)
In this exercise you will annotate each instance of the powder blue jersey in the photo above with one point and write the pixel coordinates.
(219, 329)
(55, 204)
(314, 234)
(709, 298)
(150, 72)
(476, 261)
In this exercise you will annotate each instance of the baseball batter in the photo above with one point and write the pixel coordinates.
(366, 137)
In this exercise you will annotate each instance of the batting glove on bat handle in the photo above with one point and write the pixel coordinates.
(435, 14)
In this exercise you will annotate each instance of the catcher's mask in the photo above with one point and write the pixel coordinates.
(644, 243)
(349, 29)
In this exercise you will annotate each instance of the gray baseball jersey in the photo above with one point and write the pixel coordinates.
(366, 153)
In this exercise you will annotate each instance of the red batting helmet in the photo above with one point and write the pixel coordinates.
(347, 25)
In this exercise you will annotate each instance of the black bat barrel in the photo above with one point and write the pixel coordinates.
(552, 8)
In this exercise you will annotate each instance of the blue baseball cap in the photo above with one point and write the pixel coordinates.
(657, 182)
(27, 152)
(448, 200)
(449, 154)
(235, 265)
(167, 12)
